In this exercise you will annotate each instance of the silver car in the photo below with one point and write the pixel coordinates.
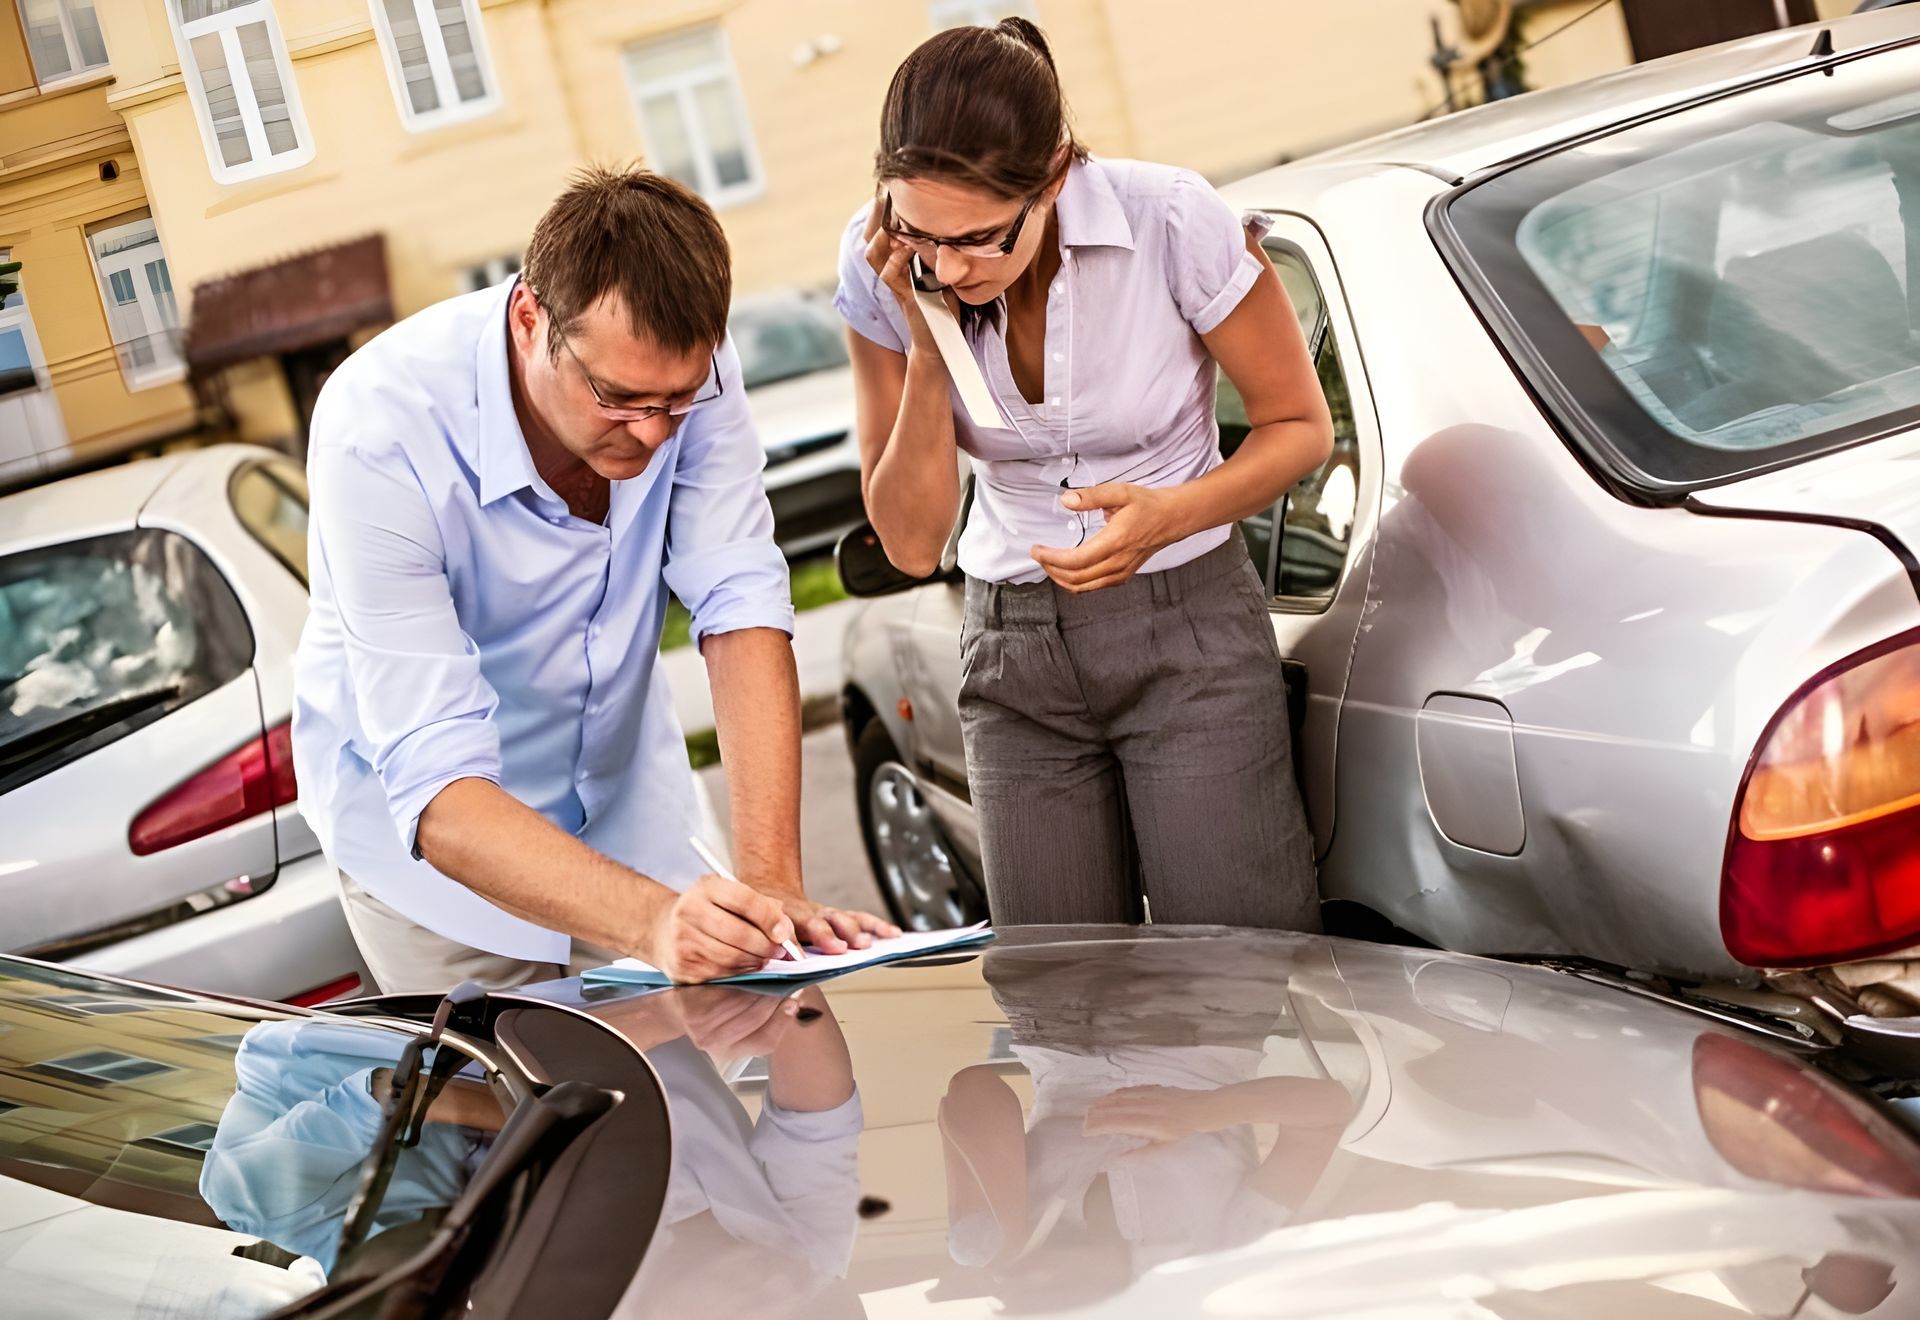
(149, 821)
(1602, 626)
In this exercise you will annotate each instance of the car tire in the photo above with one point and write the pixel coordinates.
(922, 880)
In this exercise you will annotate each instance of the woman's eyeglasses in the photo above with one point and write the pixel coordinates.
(969, 245)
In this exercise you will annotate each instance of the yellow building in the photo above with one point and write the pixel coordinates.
(88, 359)
(315, 169)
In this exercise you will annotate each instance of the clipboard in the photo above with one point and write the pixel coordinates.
(962, 367)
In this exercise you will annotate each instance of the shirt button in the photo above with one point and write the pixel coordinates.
(1056, 288)
(1056, 400)
(1059, 357)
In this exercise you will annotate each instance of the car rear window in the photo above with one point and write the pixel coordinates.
(103, 636)
(1719, 291)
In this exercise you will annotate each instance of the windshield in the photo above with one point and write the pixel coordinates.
(165, 1155)
(1724, 289)
(784, 338)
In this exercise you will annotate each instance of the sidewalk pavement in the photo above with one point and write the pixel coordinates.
(817, 634)
(832, 850)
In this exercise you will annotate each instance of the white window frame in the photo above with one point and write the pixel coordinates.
(976, 13)
(168, 366)
(80, 68)
(29, 418)
(452, 109)
(681, 87)
(227, 27)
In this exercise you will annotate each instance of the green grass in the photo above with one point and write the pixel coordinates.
(815, 583)
(703, 748)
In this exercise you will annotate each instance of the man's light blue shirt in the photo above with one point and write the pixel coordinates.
(465, 624)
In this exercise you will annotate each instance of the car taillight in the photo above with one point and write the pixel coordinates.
(1775, 1120)
(321, 994)
(240, 785)
(1823, 858)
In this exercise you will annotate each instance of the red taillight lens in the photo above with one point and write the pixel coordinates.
(240, 785)
(1823, 860)
(321, 994)
(1775, 1120)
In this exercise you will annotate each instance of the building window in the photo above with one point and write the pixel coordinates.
(977, 13)
(109, 1066)
(64, 37)
(92, 1005)
(692, 116)
(21, 365)
(436, 54)
(31, 429)
(242, 86)
(137, 292)
(489, 273)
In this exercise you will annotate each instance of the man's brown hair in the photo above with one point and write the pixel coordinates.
(651, 243)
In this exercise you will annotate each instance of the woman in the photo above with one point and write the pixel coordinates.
(1122, 705)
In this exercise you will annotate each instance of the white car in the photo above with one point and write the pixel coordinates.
(149, 820)
(793, 356)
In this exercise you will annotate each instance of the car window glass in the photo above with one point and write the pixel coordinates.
(103, 636)
(1317, 514)
(270, 499)
(181, 1157)
(785, 338)
(1725, 288)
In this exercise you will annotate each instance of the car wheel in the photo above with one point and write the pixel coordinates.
(924, 883)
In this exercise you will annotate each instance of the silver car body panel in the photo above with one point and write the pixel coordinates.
(1506, 1141)
(1503, 571)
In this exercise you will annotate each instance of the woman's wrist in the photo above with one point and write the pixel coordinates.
(1187, 511)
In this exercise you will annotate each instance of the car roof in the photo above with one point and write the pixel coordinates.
(1483, 136)
(85, 505)
(110, 499)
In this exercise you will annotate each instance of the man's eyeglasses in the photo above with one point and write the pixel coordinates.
(616, 411)
(969, 245)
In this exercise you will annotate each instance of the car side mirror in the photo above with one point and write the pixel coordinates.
(865, 569)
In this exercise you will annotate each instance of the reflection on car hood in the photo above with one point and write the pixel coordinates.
(1878, 482)
(818, 403)
(1112, 1122)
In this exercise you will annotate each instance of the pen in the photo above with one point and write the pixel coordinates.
(719, 868)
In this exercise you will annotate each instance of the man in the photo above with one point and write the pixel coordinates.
(505, 486)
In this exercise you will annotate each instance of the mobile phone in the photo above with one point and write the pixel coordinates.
(923, 279)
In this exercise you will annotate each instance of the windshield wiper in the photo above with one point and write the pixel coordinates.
(74, 727)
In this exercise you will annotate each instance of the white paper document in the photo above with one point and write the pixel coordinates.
(912, 945)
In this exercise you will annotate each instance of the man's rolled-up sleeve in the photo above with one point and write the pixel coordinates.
(425, 708)
(722, 562)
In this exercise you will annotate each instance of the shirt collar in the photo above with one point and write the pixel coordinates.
(505, 463)
(1090, 211)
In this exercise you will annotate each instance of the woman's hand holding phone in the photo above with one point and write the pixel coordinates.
(892, 262)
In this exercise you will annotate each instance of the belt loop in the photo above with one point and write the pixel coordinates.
(994, 592)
